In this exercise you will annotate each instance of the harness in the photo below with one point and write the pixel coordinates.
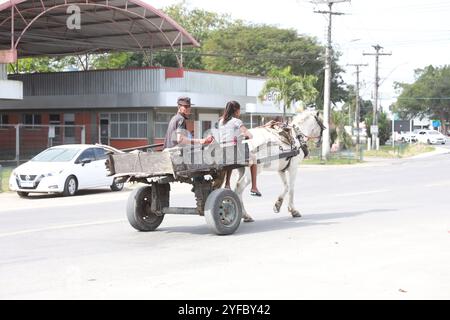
(302, 139)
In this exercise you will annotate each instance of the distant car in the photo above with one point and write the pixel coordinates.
(431, 137)
(408, 136)
(63, 169)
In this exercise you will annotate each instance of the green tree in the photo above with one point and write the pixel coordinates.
(384, 131)
(257, 49)
(38, 64)
(287, 88)
(428, 96)
(197, 22)
(338, 135)
(349, 107)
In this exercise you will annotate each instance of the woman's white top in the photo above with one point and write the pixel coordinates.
(229, 130)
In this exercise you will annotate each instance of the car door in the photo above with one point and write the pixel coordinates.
(100, 160)
(86, 169)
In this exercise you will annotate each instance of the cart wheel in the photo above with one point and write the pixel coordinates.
(223, 211)
(139, 212)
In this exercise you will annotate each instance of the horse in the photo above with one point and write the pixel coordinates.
(303, 127)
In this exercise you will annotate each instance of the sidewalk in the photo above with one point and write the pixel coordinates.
(378, 162)
(438, 151)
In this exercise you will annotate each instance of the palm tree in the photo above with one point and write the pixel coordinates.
(288, 88)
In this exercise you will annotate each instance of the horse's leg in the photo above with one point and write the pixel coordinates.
(242, 182)
(292, 171)
(279, 203)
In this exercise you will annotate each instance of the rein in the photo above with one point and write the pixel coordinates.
(302, 135)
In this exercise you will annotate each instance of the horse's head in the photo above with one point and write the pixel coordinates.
(308, 125)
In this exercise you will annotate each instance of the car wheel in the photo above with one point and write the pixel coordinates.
(117, 186)
(70, 187)
(22, 194)
(428, 141)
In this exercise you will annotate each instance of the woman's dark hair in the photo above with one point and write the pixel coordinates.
(230, 110)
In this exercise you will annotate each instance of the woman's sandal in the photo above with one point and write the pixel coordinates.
(255, 193)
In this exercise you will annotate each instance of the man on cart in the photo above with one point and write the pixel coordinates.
(177, 133)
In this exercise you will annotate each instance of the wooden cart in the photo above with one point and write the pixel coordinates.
(202, 167)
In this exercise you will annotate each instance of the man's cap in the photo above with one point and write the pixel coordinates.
(184, 101)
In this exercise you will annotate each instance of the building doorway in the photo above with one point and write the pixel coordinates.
(104, 132)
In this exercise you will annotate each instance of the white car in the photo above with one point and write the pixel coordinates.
(431, 137)
(63, 169)
(408, 136)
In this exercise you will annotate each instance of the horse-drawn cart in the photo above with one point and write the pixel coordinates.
(201, 166)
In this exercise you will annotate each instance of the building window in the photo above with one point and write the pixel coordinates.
(55, 120)
(130, 125)
(161, 124)
(32, 119)
(3, 119)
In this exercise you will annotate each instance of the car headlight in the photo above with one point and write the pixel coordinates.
(51, 174)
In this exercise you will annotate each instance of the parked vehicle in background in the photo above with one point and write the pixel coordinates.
(408, 136)
(63, 169)
(431, 137)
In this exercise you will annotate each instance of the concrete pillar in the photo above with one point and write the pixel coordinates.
(12, 90)
(3, 71)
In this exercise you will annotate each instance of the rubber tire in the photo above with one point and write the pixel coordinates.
(212, 215)
(67, 192)
(22, 194)
(138, 210)
(117, 186)
(428, 141)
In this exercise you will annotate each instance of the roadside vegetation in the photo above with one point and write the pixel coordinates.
(350, 156)
(332, 161)
(400, 151)
(5, 173)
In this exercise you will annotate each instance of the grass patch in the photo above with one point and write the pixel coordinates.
(5, 173)
(332, 161)
(400, 151)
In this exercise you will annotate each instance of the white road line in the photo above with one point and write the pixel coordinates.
(361, 193)
(439, 184)
(68, 226)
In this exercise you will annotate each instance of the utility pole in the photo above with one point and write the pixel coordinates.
(357, 108)
(327, 83)
(377, 55)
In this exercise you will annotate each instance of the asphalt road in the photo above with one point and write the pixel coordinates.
(374, 231)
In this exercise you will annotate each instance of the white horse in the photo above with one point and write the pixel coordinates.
(305, 126)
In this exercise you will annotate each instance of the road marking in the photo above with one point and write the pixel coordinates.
(361, 193)
(439, 184)
(68, 226)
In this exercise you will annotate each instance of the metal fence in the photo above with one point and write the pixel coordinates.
(21, 142)
(352, 154)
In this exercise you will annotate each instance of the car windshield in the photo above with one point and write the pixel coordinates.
(56, 155)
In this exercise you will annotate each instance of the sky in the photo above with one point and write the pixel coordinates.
(417, 33)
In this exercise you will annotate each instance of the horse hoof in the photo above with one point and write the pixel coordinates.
(296, 214)
(276, 209)
(249, 219)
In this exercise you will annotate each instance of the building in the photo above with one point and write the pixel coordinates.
(122, 108)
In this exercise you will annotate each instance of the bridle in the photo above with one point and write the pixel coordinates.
(301, 136)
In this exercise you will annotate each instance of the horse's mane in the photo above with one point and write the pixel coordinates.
(302, 116)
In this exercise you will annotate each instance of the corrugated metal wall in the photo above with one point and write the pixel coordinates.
(129, 81)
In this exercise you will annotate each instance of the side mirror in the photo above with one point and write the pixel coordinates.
(85, 161)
